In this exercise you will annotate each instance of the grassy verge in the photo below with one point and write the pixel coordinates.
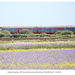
(39, 46)
(38, 41)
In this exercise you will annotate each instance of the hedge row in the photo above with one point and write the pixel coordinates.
(30, 35)
(34, 35)
(64, 33)
(18, 35)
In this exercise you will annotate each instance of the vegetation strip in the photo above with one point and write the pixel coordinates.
(35, 42)
(36, 46)
(36, 65)
(39, 49)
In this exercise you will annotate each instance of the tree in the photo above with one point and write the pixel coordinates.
(26, 31)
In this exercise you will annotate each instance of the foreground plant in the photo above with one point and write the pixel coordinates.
(38, 59)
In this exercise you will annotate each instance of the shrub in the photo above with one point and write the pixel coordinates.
(26, 31)
(7, 33)
(2, 34)
(67, 33)
(58, 33)
(64, 33)
(19, 35)
(15, 35)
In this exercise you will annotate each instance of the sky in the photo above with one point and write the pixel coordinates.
(37, 13)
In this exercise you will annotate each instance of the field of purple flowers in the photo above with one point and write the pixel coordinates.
(54, 59)
(57, 58)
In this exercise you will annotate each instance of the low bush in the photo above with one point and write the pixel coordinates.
(64, 34)
(6, 32)
(2, 34)
(58, 33)
(67, 33)
(15, 35)
(26, 31)
(18, 35)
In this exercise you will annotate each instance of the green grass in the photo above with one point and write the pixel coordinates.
(38, 46)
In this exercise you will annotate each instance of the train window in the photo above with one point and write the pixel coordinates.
(30, 29)
(47, 30)
(20, 29)
(9, 30)
(40, 30)
(55, 29)
(68, 29)
(3, 29)
(72, 29)
(50, 29)
(34, 30)
(15, 30)
(61, 29)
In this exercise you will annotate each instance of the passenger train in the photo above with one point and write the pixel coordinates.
(38, 30)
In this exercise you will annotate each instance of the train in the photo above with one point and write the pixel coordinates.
(38, 30)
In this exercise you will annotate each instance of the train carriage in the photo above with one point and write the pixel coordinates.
(39, 30)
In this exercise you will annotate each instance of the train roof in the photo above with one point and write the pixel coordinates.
(36, 26)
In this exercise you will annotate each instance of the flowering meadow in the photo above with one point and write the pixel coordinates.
(37, 56)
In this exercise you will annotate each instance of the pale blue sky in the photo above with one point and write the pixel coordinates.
(36, 14)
